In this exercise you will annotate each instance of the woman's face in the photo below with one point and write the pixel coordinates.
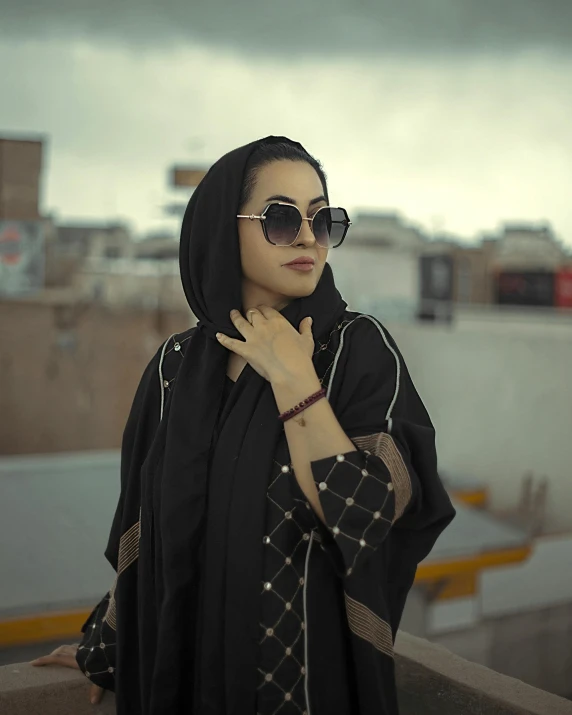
(266, 279)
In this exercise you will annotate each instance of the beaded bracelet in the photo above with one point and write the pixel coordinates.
(292, 412)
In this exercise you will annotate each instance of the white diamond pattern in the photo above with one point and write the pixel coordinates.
(96, 653)
(358, 505)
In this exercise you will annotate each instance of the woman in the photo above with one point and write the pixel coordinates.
(279, 479)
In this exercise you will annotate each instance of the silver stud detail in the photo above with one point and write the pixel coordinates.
(110, 669)
(288, 651)
(285, 469)
(270, 631)
(288, 560)
(303, 626)
(349, 501)
(87, 674)
(165, 383)
(177, 347)
(336, 529)
(268, 586)
(288, 606)
(390, 487)
(308, 505)
(91, 649)
(362, 542)
(266, 539)
(323, 486)
(340, 458)
(349, 572)
(364, 473)
(102, 646)
(303, 670)
(288, 515)
(268, 677)
(306, 537)
(288, 696)
(93, 625)
(301, 582)
(376, 514)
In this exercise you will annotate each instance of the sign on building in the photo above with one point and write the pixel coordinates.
(526, 288)
(22, 257)
(563, 288)
(189, 176)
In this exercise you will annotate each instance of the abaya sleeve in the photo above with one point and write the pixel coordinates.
(390, 484)
(96, 651)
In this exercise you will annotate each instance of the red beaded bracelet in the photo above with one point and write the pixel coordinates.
(292, 412)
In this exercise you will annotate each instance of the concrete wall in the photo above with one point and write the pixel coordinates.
(68, 372)
(430, 681)
(501, 402)
(532, 646)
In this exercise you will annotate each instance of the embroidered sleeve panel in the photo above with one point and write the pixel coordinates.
(383, 446)
(358, 498)
(96, 652)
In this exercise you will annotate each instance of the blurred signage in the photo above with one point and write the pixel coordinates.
(563, 288)
(436, 287)
(533, 288)
(21, 257)
(187, 176)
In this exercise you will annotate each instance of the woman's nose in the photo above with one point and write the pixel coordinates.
(305, 237)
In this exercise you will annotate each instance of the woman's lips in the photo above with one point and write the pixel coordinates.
(306, 267)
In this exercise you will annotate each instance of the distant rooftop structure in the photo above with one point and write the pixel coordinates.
(385, 230)
(529, 245)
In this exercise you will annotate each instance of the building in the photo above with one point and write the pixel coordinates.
(20, 178)
(377, 269)
(22, 264)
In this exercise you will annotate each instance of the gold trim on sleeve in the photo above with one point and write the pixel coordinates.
(383, 446)
(368, 626)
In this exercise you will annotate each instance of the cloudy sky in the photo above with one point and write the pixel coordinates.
(456, 113)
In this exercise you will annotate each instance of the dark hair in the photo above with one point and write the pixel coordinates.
(280, 151)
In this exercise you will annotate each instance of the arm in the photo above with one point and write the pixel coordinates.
(370, 454)
(321, 436)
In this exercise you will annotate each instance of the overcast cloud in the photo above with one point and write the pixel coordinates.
(332, 27)
(455, 139)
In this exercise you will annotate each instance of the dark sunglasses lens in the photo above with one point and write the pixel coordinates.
(329, 226)
(282, 224)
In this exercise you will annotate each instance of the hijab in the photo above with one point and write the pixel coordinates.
(200, 575)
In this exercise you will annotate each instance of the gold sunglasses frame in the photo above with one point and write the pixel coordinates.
(347, 223)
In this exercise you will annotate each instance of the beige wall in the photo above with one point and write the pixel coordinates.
(55, 396)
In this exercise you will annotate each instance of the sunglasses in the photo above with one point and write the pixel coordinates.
(282, 223)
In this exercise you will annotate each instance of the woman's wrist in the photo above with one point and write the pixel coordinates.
(290, 388)
(303, 376)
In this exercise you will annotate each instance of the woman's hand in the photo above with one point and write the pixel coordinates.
(65, 656)
(273, 347)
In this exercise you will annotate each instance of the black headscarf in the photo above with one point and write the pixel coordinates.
(201, 559)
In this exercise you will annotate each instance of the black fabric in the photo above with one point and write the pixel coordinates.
(205, 462)
(174, 482)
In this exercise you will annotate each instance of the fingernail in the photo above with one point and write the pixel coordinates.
(94, 700)
(311, 320)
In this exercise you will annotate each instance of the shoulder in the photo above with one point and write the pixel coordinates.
(367, 371)
(171, 354)
(369, 343)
